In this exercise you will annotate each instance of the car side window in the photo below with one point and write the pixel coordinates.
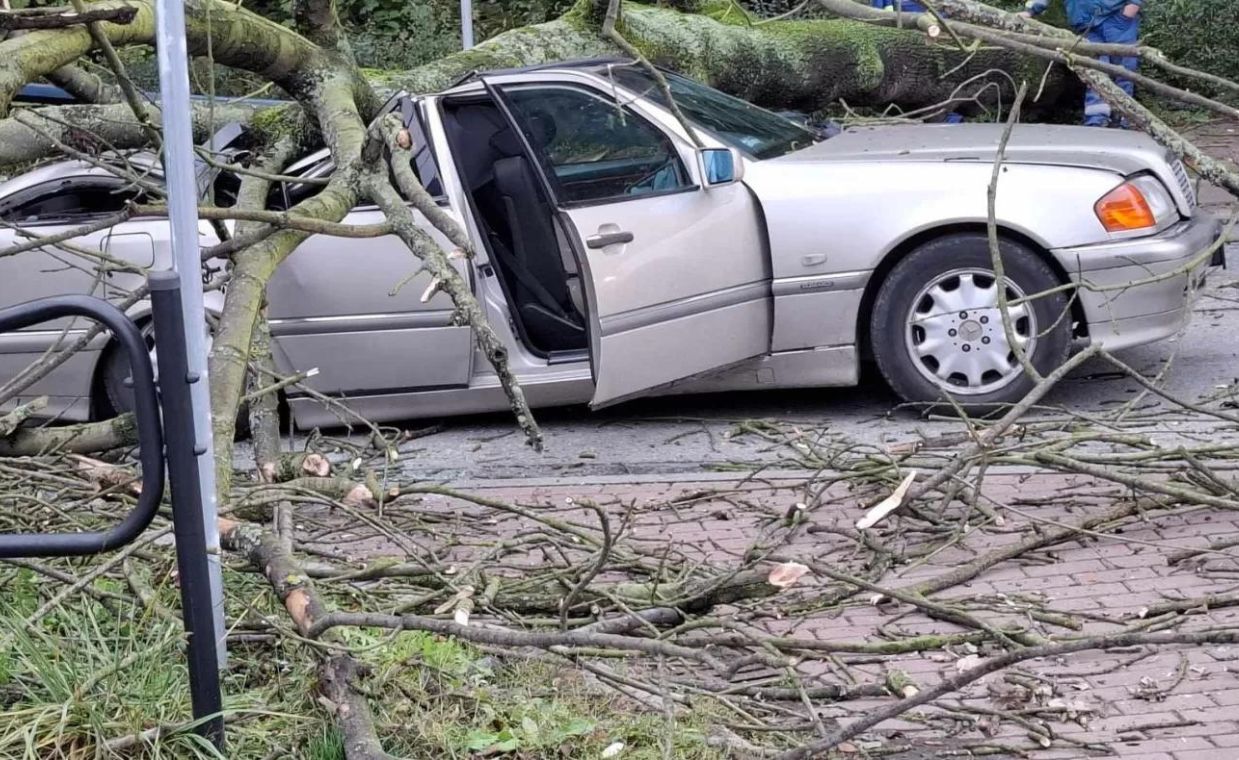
(291, 193)
(224, 188)
(593, 149)
(288, 194)
(60, 202)
(423, 160)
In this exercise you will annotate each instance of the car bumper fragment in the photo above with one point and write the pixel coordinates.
(1142, 290)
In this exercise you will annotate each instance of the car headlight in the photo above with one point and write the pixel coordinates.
(1140, 203)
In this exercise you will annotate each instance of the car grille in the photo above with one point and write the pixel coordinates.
(1185, 182)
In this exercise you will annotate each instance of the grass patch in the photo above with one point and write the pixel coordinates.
(94, 671)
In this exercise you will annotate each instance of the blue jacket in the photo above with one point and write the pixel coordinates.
(906, 6)
(1084, 14)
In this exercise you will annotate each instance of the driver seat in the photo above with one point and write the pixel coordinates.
(540, 282)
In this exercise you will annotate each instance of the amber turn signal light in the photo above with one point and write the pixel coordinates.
(1124, 208)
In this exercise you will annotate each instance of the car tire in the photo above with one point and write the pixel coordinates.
(935, 327)
(114, 396)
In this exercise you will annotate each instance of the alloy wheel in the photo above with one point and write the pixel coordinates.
(955, 335)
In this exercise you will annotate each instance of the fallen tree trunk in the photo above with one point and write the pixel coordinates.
(338, 674)
(799, 64)
(352, 712)
(796, 64)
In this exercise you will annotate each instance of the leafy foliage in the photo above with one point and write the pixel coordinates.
(1198, 34)
(537, 729)
(1194, 33)
(398, 34)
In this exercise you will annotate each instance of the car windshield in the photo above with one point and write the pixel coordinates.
(736, 122)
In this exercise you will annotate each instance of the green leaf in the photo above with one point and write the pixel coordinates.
(509, 745)
(578, 727)
(529, 728)
(479, 740)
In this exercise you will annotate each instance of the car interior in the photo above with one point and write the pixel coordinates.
(69, 199)
(602, 154)
(72, 199)
(91, 193)
(524, 237)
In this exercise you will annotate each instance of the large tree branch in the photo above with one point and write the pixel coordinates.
(85, 86)
(88, 127)
(319, 21)
(57, 18)
(87, 438)
(235, 36)
(281, 219)
(805, 64)
(798, 64)
(333, 96)
(435, 260)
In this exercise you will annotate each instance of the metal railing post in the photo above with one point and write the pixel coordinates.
(182, 451)
(146, 419)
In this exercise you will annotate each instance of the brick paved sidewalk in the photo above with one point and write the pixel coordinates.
(1180, 703)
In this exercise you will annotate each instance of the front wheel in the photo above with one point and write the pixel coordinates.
(114, 394)
(937, 330)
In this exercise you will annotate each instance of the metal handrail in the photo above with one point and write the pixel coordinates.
(146, 414)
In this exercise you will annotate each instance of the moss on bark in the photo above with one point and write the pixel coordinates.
(803, 64)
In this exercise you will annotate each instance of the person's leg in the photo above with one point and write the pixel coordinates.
(1120, 30)
(1096, 110)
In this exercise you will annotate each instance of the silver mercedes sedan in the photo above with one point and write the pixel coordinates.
(622, 252)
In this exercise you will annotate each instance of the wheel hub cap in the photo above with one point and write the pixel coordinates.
(955, 334)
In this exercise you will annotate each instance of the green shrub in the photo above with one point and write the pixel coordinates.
(400, 34)
(1202, 35)
(1195, 33)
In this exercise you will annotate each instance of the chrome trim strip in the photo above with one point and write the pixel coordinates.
(791, 286)
(71, 335)
(571, 373)
(38, 341)
(684, 307)
(412, 320)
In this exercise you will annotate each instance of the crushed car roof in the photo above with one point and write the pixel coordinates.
(577, 63)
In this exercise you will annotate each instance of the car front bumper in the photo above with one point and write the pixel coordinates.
(1141, 290)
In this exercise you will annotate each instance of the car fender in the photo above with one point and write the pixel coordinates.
(846, 217)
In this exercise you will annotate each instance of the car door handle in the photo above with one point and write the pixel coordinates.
(603, 239)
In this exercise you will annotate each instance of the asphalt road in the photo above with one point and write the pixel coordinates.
(691, 434)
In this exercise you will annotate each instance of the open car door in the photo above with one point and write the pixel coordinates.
(677, 273)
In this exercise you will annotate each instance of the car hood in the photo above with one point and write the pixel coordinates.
(1114, 150)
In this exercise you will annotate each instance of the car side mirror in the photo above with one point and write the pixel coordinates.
(720, 166)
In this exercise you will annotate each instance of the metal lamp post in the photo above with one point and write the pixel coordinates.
(194, 501)
(466, 23)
